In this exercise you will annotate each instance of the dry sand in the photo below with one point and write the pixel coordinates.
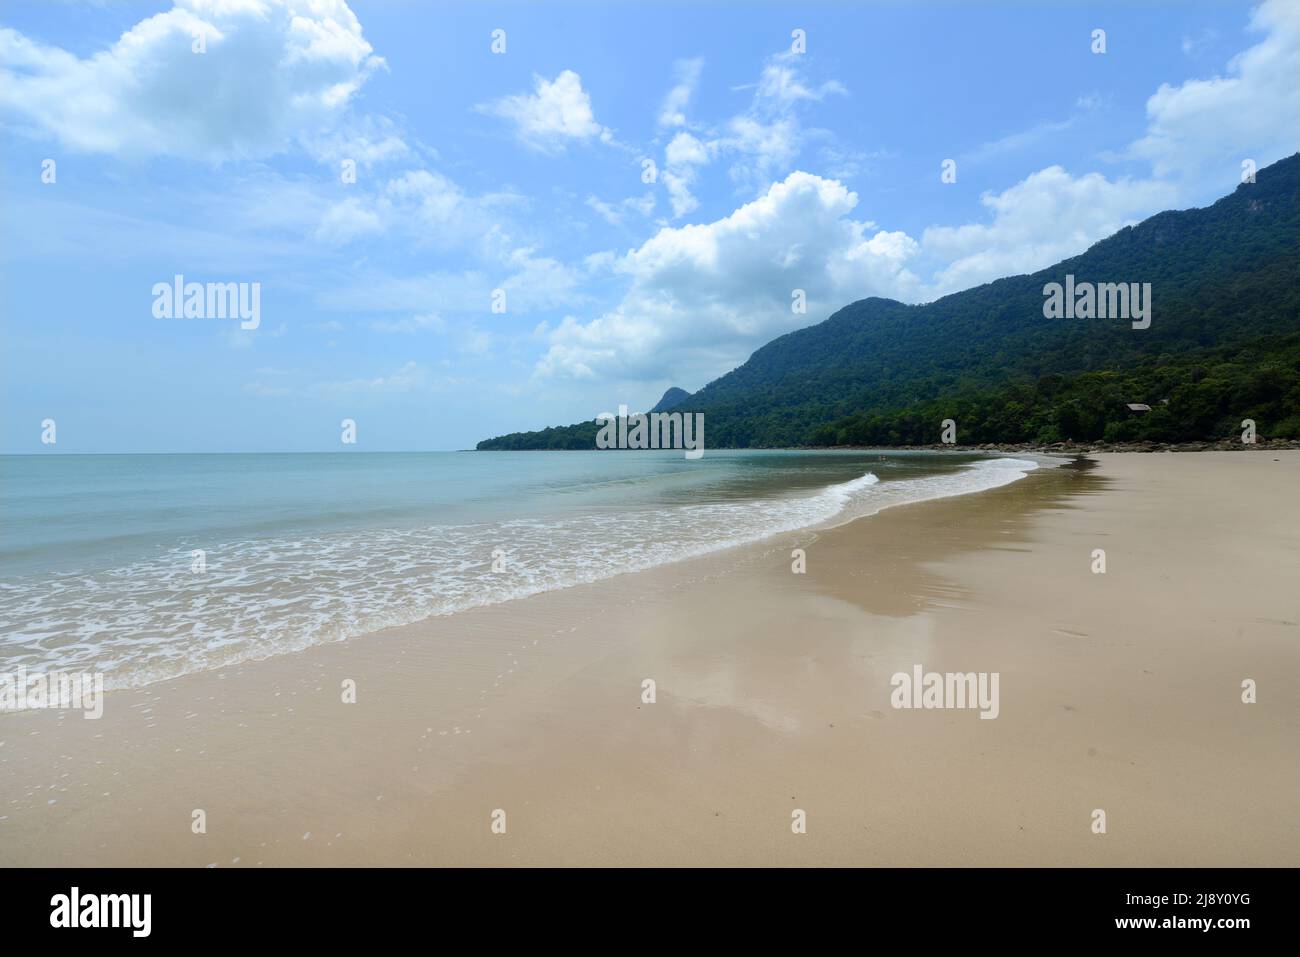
(1119, 692)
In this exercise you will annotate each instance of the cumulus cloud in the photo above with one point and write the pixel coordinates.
(1048, 216)
(703, 296)
(556, 113)
(273, 71)
(1199, 132)
(762, 142)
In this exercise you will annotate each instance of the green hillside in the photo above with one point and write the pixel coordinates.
(1222, 346)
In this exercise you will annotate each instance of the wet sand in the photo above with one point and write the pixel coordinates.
(1118, 691)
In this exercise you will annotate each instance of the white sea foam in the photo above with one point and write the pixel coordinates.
(976, 477)
(155, 619)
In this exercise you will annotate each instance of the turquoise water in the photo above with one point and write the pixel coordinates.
(99, 570)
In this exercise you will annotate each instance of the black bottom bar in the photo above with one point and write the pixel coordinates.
(332, 906)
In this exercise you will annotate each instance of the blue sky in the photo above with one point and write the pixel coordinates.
(524, 171)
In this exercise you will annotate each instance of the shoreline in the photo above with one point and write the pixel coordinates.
(772, 695)
(735, 536)
(1096, 448)
(1054, 449)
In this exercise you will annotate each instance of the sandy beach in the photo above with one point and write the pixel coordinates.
(1119, 691)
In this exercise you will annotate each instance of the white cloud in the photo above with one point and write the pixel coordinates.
(1023, 139)
(762, 142)
(558, 112)
(686, 150)
(273, 71)
(845, 163)
(673, 111)
(770, 135)
(537, 283)
(681, 158)
(1197, 135)
(368, 141)
(424, 207)
(703, 296)
(616, 215)
(347, 220)
(1048, 216)
(769, 147)
(1199, 131)
(1201, 42)
(783, 85)
(439, 208)
(605, 211)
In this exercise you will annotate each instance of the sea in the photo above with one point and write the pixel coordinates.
(147, 567)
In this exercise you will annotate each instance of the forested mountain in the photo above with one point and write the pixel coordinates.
(1223, 345)
(672, 398)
